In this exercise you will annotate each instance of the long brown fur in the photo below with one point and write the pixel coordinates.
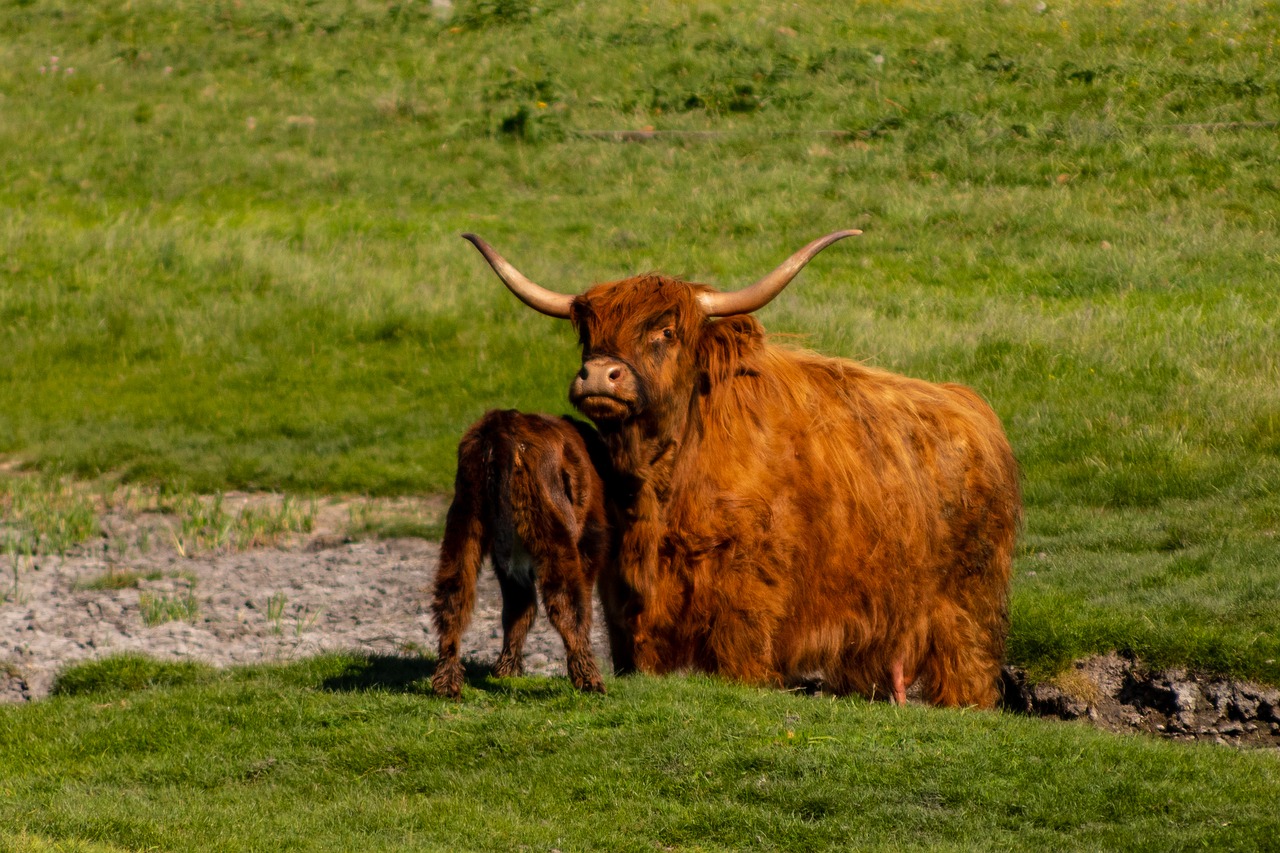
(781, 512)
(527, 494)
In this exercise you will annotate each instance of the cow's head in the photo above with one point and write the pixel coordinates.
(648, 342)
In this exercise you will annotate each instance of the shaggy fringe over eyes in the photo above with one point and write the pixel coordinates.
(607, 315)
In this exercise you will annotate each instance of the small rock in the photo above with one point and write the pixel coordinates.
(1186, 696)
(1243, 706)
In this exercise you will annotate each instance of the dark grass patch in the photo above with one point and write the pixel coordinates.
(128, 673)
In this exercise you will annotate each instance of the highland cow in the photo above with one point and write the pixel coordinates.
(528, 495)
(780, 512)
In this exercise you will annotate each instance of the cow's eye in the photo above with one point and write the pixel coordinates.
(662, 336)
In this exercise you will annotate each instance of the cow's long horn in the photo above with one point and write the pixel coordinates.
(534, 295)
(757, 296)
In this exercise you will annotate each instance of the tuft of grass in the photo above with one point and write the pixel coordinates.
(275, 611)
(44, 514)
(26, 843)
(368, 520)
(128, 673)
(156, 609)
(258, 527)
(19, 555)
(205, 525)
(118, 579)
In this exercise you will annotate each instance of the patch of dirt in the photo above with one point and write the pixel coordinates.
(315, 592)
(1120, 694)
(321, 592)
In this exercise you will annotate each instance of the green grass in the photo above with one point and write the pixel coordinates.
(190, 300)
(156, 609)
(44, 515)
(353, 753)
(372, 520)
(118, 579)
(204, 524)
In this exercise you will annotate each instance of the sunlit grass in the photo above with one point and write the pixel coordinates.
(205, 525)
(346, 753)
(113, 579)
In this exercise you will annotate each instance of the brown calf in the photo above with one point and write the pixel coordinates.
(527, 494)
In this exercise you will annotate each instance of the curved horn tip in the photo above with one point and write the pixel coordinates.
(537, 297)
(758, 295)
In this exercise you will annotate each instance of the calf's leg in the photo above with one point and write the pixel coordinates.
(465, 541)
(519, 609)
(566, 594)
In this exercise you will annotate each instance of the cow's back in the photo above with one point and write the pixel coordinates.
(872, 512)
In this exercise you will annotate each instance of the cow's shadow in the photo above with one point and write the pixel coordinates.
(412, 674)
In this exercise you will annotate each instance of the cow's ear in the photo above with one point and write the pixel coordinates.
(725, 346)
(580, 314)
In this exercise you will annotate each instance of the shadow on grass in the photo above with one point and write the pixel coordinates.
(405, 674)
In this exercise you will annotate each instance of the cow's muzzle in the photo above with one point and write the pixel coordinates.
(605, 389)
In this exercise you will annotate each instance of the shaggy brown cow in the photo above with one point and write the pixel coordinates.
(784, 512)
(528, 495)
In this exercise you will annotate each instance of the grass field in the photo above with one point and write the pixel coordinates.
(229, 260)
(349, 754)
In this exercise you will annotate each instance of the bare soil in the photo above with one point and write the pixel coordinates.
(312, 593)
(321, 592)
(1119, 694)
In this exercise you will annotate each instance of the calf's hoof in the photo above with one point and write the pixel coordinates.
(508, 666)
(447, 679)
(586, 677)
